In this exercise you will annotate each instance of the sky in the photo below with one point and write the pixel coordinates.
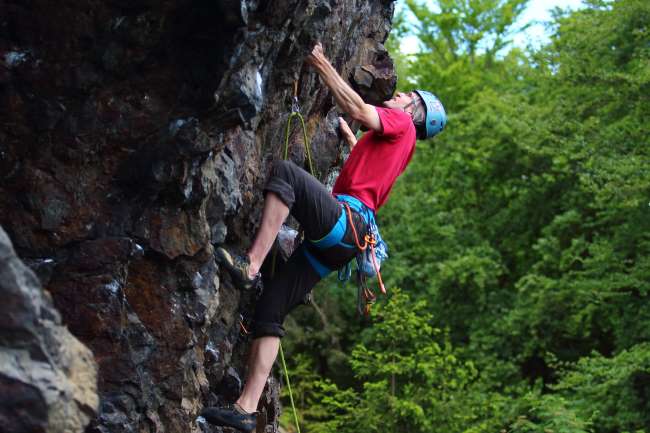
(535, 35)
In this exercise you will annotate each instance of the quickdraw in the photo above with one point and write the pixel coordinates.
(295, 112)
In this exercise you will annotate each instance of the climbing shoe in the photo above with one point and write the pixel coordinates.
(231, 416)
(237, 266)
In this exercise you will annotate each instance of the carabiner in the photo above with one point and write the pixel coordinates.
(295, 107)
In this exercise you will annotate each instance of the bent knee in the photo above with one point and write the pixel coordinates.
(282, 168)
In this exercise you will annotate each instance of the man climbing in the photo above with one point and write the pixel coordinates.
(364, 184)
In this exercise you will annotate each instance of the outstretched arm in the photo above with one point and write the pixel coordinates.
(347, 133)
(347, 99)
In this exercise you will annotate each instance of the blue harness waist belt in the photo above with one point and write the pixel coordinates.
(335, 236)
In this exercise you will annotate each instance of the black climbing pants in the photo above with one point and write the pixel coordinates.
(317, 211)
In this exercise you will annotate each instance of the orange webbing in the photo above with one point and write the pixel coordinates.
(374, 263)
(369, 240)
(354, 230)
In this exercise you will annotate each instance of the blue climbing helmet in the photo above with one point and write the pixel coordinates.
(435, 118)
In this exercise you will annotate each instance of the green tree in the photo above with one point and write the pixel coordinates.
(462, 42)
(410, 378)
(522, 231)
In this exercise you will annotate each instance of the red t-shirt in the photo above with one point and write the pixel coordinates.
(378, 159)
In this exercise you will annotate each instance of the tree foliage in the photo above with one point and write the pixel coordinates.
(521, 235)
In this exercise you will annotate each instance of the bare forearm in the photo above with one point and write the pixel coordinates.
(346, 98)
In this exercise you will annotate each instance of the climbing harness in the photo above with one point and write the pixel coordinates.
(371, 253)
(369, 256)
(369, 241)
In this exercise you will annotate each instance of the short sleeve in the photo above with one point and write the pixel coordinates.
(394, 122)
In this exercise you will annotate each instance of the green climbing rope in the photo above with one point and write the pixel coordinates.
(295, 112)
(286, 375)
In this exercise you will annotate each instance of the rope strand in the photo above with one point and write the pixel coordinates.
(286, 375)
(295, 112)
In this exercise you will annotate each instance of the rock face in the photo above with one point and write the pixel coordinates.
(136, 135)
(48, 379)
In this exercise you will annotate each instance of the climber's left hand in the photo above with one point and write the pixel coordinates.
(317, 55)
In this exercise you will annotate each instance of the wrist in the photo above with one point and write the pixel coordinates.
(322, 62)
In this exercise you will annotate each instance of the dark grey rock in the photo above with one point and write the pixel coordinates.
(231, 385)
(47, 377)
(242, 90)
(189, 137)
(42, 267)
(219, 231)
(227, 194)
(138, 134)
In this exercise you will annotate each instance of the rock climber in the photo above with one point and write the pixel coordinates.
(364, 183)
